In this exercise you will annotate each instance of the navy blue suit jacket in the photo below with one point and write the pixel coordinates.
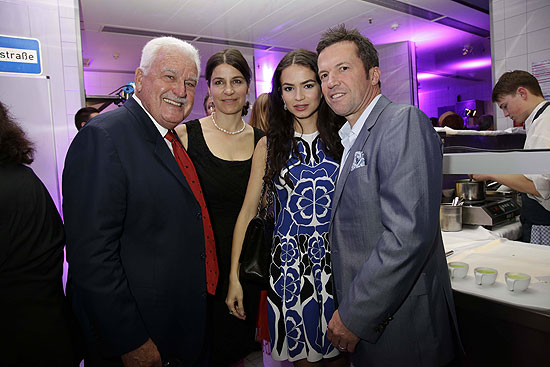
(135, 242)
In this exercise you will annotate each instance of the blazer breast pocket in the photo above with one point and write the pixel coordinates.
(359, 160)
(359, 173)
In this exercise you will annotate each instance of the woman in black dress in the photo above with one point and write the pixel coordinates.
(221, 147)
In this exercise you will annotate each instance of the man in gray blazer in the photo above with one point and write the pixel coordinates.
(395, 305)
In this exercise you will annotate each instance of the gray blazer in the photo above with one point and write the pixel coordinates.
(389, 265)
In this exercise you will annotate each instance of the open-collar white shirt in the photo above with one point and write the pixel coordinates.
(538, 137)
(349, 134)
(162, 130)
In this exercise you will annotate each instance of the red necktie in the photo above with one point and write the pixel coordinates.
(190, 174)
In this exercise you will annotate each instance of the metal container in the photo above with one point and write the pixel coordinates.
(473, 192)
(450, 217)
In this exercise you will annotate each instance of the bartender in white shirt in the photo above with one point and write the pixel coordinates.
(520, 97)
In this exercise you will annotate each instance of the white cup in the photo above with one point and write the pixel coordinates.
(457, 269)
(517, 282)
(485, 276)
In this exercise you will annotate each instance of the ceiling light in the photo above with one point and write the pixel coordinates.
(467, 49)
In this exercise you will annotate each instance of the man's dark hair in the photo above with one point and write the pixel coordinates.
(14, 145)
(205, 105)
(510, 81)
(453, 120)
(83, 115)
(485, 123)
(365, 49)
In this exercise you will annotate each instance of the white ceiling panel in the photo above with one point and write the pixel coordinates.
(241, 21)
(283, 23)
(196, 15)
(319, 22)
(100, 48)
(359, 19)
(107, 11)
(454, 10)
(266, 29)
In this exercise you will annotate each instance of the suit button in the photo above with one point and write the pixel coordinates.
(203, 256)
(199, 215)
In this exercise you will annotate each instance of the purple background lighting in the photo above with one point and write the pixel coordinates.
(473, 64)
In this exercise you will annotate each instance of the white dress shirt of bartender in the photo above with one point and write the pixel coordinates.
(520, 97)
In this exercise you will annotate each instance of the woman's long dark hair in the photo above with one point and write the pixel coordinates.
(14, 145)
(280, 133)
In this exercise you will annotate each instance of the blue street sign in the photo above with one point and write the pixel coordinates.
(20, 55)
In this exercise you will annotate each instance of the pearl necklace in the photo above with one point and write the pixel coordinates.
(227, 131)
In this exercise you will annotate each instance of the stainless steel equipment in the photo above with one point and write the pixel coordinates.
(473, 192)
(450, 217)
(491, 212)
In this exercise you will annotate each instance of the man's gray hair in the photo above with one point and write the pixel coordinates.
(152, 48)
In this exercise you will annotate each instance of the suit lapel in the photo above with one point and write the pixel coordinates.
(358, 145)
(161, 150)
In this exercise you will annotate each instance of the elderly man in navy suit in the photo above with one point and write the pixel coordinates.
(135, 229)
(395, 306)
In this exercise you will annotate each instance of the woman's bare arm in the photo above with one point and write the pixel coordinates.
(248, 211)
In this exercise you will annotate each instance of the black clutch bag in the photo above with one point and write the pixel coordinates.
(256, 251)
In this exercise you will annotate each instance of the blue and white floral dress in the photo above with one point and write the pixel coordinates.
(300, 301)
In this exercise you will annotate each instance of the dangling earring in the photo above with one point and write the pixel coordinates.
(211, 108)
(284, 106)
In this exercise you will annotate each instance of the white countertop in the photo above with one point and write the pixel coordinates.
(480, 247)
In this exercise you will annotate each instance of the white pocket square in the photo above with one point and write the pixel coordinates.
(358, 160)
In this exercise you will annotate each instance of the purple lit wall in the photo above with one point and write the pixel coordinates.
(445, 91)
(459, 74)
(265, 63)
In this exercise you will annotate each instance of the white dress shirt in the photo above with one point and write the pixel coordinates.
(538, 136)
(349, 134)
(162, 130)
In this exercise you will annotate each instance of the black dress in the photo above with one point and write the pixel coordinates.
(224, 186)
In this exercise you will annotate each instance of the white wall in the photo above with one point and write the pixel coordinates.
(520, 36)
(398, 72)
(55, 23)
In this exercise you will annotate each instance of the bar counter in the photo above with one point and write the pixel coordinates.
(499, 327)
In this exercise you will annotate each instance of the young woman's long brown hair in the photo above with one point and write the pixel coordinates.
(280, 132)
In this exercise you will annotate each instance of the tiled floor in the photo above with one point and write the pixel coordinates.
(254, 360)
(262, 359)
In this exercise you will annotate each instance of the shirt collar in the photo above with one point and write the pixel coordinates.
(346, 130)
(162, 130)
(529, 120)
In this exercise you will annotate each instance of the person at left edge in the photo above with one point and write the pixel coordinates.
(135, 238)
(36, 323)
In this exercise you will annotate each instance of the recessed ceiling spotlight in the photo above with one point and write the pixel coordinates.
(116, 55)
(394, 26)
